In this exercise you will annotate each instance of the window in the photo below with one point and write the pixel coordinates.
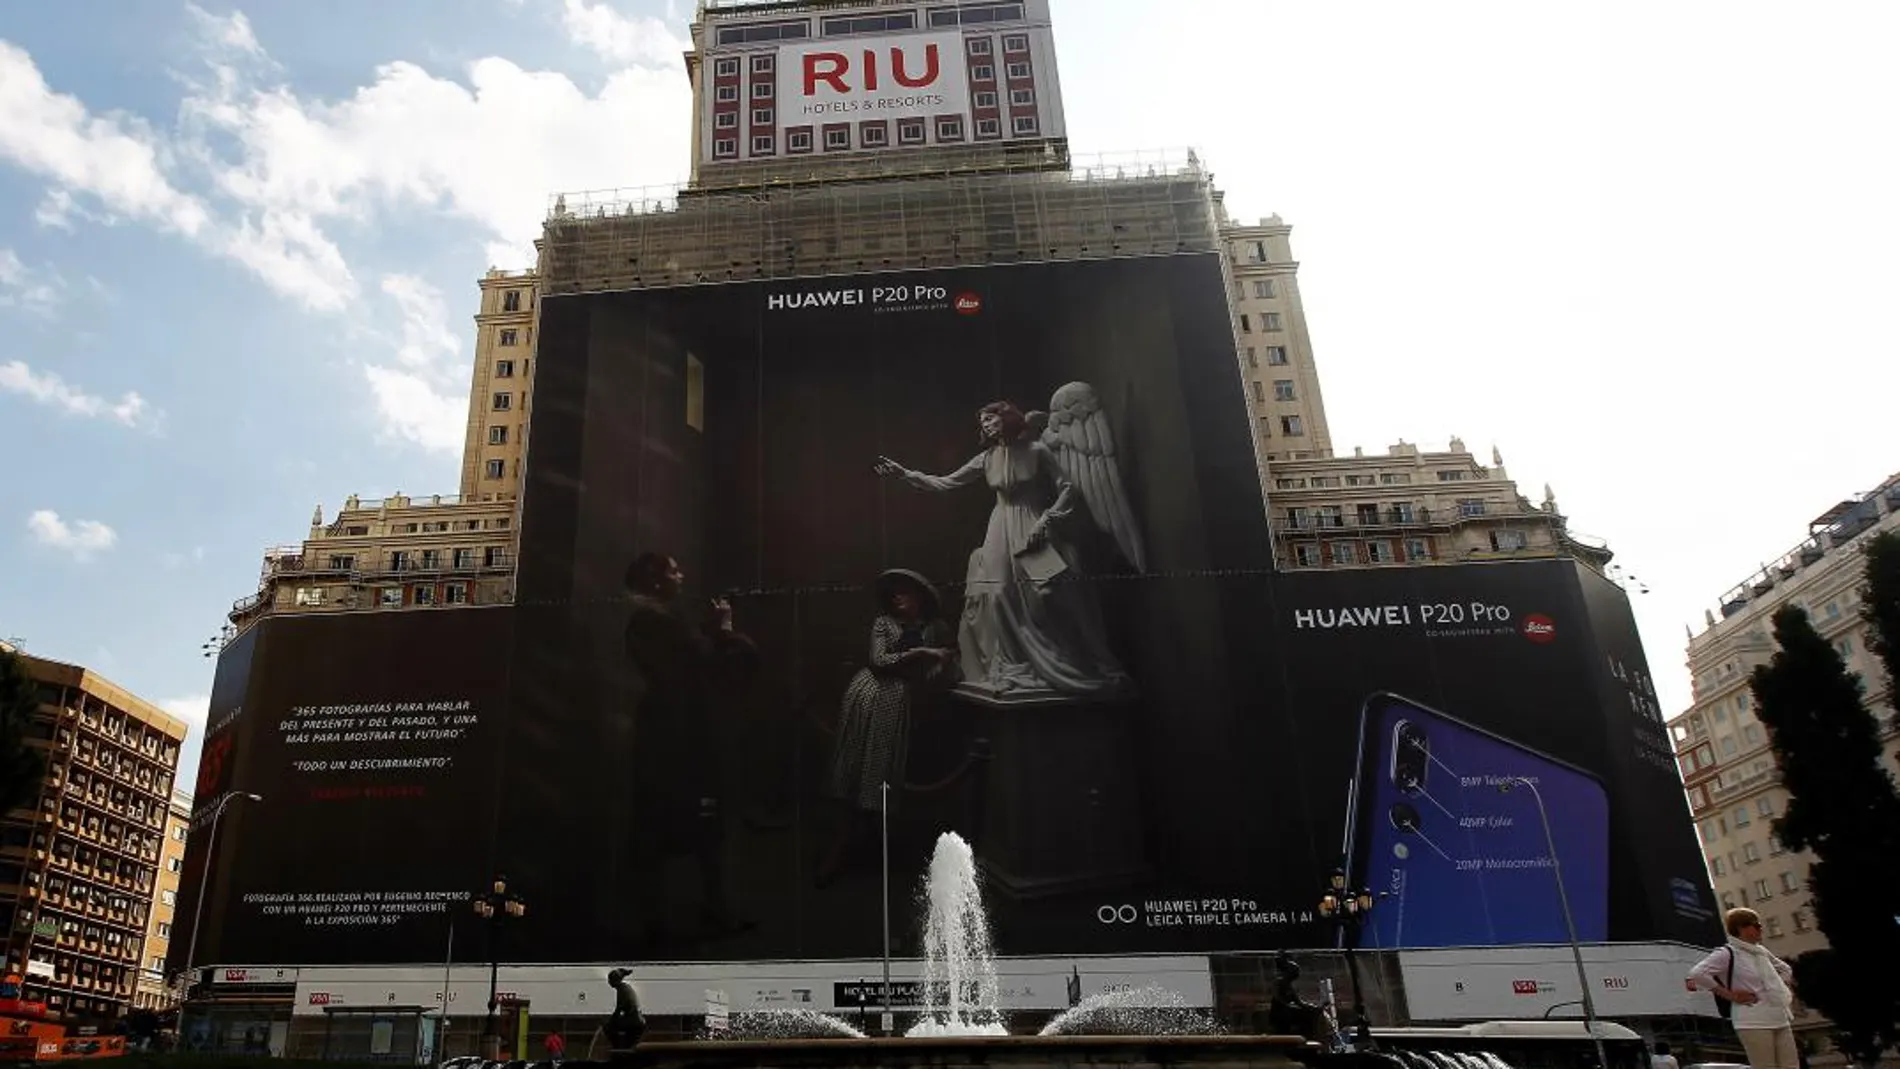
(874, 134)
(910, 132)
(1246, 324)
(1801, 923)
(1508, 541)
(1291, 484)
(761, 116)
(1307, 554)
(971, 15)
(1729, 748)
(1379, 551)
(1418, 549)
(776, 31)
(838, 137)
(455, 594)
(726, 68)
(726, 94)
(462, 558)
(425, 595)
(798, 141)
(1259, 391)
(1470, 506)
(497, 436)
(983, 72)
(1291, 426)
(1016, 42)
(726, 147)
(1257, 252)
(1765, 806)
(1253, 359)
(510, 337)
(1762, 891)
(1772, 927)
(178, 833)
(988, 128)
(1276, 355)
(165, 930)
(1846, 646)
(867, 24)
(169, 898)
(495, 469)
(1018, 71)
(1451, 476)
(1022, 98)
(502, 402)
(979, 46)
(511, 301)
(763, 144)
(1283, 390)
(1751, 734)
(986, 99)
(726, 120)
(1751, 853)
(1789, 883)
(1024, 124)
(949, 129)
(1344, 552)
(174, 864)
(763, 64)
(1716, 867)
(1263, 287)
(1270, 321)
(1728, 900)
(763, 90)
(1741, 816)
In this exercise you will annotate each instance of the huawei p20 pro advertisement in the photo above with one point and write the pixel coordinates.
(813, 567)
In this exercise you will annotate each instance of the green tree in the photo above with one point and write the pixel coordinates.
(1845, 810)
(20, 764)
(1880, 607)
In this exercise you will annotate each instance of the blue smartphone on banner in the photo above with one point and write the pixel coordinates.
(1458, 861)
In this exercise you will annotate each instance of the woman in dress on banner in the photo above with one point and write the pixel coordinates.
(911, 650)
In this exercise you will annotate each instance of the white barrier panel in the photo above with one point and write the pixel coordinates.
(1503, 983)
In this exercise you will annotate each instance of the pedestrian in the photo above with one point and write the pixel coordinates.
(556, 1047)
(1755, 990)
(1662, 1059)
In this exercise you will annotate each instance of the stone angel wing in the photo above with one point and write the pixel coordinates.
(1078, 433)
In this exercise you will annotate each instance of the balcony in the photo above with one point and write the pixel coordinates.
(1750, 782)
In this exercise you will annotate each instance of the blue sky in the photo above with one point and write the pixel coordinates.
(1645, 249)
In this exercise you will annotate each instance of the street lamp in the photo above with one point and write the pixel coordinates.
(1348, 911)
(1563, 901)
(204, 878)
(497, 905)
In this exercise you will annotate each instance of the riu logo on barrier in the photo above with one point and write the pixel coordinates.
(834, 69)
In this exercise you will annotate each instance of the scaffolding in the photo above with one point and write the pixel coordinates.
(966, 213)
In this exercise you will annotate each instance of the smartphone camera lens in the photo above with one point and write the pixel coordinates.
(1405, 818)
(1411, 757)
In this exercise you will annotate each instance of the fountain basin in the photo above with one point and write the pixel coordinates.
(972, 1052)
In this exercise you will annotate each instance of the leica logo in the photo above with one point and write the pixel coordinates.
(1540, 629)
(968, 304)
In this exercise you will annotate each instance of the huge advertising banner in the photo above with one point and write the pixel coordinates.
(978, 550)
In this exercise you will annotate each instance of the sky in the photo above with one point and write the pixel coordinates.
(1643, 249)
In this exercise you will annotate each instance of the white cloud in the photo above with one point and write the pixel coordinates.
(621, 38)
(232, 32)
(419, 399)
(47, 388)
(81, 538)
(193, 709)
(37, 292)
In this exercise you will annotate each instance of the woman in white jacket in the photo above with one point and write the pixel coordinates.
(1760, 985)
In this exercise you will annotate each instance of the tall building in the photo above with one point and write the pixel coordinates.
(154, 993)
(1410, 507)
(498, 387)
(1727, 766)
(1276, 352)
(80, 866)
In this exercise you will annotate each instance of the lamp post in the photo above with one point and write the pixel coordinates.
(497, 905)
(204, 878)
(1348, 911)
(1570, 923)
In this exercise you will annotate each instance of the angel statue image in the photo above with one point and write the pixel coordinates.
(1032, 626)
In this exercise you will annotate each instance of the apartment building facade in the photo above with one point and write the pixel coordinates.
(154, 993)
(80, 866)
(1722, 747)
